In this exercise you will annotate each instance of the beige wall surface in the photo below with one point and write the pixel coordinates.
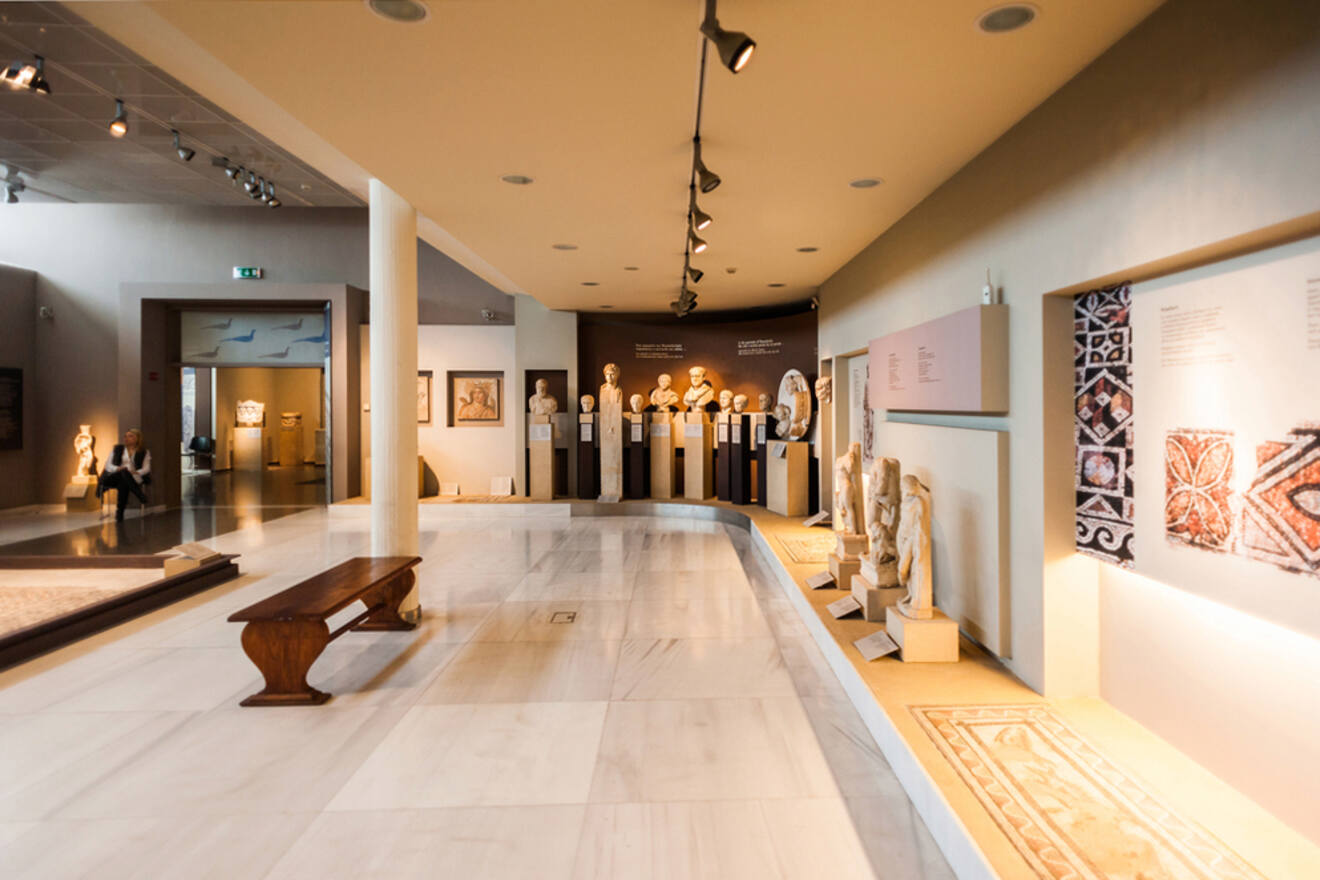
(282, 389)
(1193, 137)
(18, 319)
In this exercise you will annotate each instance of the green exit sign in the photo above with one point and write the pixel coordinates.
(248, 273)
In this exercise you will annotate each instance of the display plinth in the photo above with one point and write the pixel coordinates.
(291, 446)
(786, 480)
(923, 641)
(740, 459)
(698, 473)
(637, 448)
(843, 569)
(80, 494)
(541, 458)
(874, 600)
(249, 449)
(663, 455)
(723, 475)
(610, 448)
(763, 429)
(588, 461)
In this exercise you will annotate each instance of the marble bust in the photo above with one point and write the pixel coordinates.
(663, 396)
(739, 403)
(763, 402)
(825, 390)
(542, 403)
(636, 403)
(914, 557)
(726, 401)
(700, 393)
(588, 403)
(783, 420)
(610, 392)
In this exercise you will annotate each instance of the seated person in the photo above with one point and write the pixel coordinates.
(127, 470)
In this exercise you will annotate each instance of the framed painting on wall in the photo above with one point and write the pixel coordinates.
(423, 397)
(476, 399)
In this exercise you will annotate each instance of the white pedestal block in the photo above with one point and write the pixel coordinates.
(874, 600)
(249, 449)
(786, 478)
(611, 450)
(843, 569)
(923, 641)
(541, 458)
(663, 455)
(80, 494)
(698, 472)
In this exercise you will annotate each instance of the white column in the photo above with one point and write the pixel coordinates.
(393, 235)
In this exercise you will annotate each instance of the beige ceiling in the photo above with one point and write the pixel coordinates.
(595, 100)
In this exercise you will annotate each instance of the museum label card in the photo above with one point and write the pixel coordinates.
(843, 607)
(696, 430)
(820, 580)
(449, 488)
(736, 437)
(585, 432)
(543, 433)
(502, 486)
(724, 432)
(876, 645)
(817, 518)
(779, 450)
(637, 432)
(760, 434)
(659, 429)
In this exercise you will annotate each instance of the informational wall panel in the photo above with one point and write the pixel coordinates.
(958, 363)
(966, 471)
(1228, 445)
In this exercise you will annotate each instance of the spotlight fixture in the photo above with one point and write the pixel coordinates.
(686, 302)
(39, 86)
(707, 180)
(735, 47)
(235, 174)
(700, 219)
(695, 274)
(22, 75)
(697, 242)
(119, 125)
(263, 190)
(13, 187)
(251, 183)
(185, 153)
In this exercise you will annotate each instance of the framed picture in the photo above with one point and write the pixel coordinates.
(423, 397)
(476, 399)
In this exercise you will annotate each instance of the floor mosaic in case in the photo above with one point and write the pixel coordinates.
(1281, 509)
(1198, 493)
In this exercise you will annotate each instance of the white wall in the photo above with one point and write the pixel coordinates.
(469, 456)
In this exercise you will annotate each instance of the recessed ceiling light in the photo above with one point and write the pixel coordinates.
(406, 11)
(591, 284)
(865, 182)
(731, 269)
(630, 268)
(564, 247)
(807, 250)
(1003, 19)
(775, 284)
(516, 179)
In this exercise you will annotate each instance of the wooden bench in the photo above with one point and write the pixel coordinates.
(285, 633)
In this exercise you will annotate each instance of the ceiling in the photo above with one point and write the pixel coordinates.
(60, 145)
(595, 100)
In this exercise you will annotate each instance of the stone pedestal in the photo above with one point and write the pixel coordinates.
(923, 641)
(610, 448)
(722, 472)
(843, 569)
(588, 460)
(541, 458)
(248, 450)
(698, 474)
(80, 494)
(291, 442)
(787, 480)
(740, 459)
(876, 588)
(663, 458)
(637, 448)
(763, 429)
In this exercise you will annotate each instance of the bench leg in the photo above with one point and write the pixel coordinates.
(284, 650)
(388, 597)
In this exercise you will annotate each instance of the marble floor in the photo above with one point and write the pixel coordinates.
(620, 697)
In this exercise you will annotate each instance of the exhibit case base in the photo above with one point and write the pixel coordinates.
(923, 641)
(698, 470)
(874, 600)
(663, 458)
(80, 495)
(843, 569)
(786, 480)
(541, 458)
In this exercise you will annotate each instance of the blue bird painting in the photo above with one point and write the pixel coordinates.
(277, 354)
(296, 325)
(324, 337)
(247, 338)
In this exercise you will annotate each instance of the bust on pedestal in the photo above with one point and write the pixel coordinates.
(611, 436)
(698, 473)
(541, 408)
(637, 445)
(588, 464)
(663, 442)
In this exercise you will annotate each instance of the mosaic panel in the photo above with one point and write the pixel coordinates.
(1198, 494)
(1281, 509)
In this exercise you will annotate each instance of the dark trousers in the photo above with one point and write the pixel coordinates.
(123, 482)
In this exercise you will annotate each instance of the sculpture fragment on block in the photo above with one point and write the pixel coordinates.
(250, 414)
(764, 402)
(700, 393)
(882, 509)
(542, 403)
(740, 403)
(847, 491)
(663, 397)
(636, 403)
(783, 420)
(914, 551)
(726, 401)
(795, 395)
(825, 390)
(587, 402)
(85, 445)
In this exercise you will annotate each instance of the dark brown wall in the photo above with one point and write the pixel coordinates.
(772, 343)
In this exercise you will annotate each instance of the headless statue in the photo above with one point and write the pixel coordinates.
(914, 559)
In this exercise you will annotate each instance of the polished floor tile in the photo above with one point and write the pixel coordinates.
(478, 755)
(676, 669)
(557, 586)
(178, 679)
(569, 620)
(527, 672)
(696, 618)
(682, 584)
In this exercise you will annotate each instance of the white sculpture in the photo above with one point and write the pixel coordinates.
(610, 392)
(636, 403)
(250, 414)
(914, 557)
(542, 403)
(588, 403)
(739, 403)
(825, 390)
(847, 491)
(700, 393)
(763, 402)
(84, 444)
(883, 504)
(663, 396)
(783, 420)
(291, 420)
(726, 401)
(796, 396)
